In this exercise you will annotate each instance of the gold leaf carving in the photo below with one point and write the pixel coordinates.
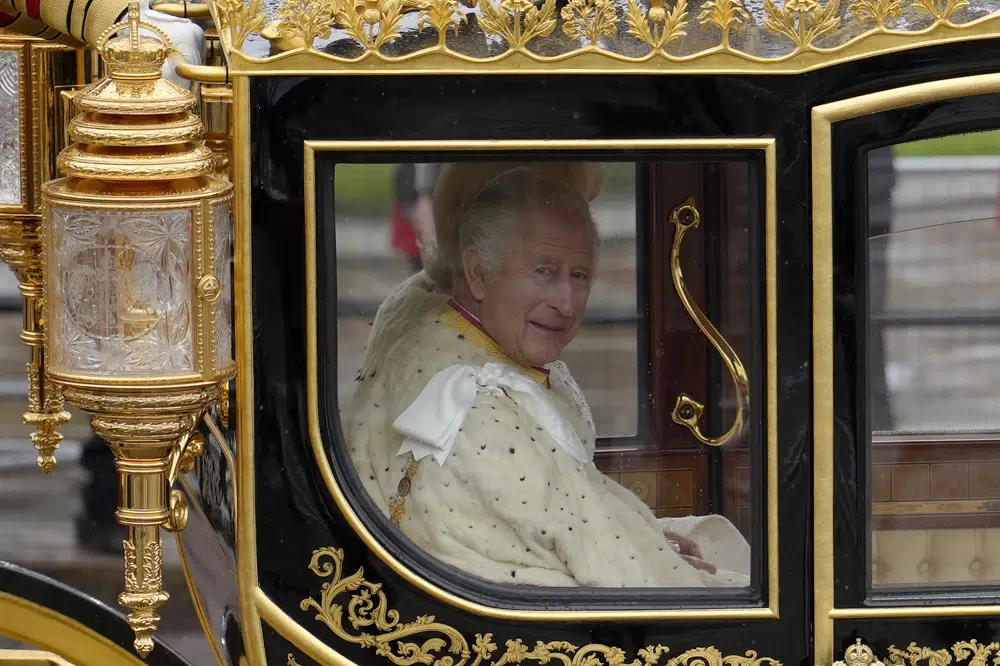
(821, 28)
(305, 19)
(802, 21)
(152, 570)
(914, 656)
(879, 11)
(590, 20)
(518, 21)
(131, 567)
(357, 611)
(374, 23)
(980, 653)
(726, 15)
(241, 20)
(942, 10)
(442, 15)
(657, 27)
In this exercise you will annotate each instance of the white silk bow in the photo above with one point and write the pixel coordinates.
(430, 425)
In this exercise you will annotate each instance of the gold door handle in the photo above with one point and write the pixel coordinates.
(688, 411)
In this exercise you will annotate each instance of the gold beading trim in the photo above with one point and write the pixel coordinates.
(814, 34)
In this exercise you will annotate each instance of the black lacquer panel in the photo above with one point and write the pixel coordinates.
(577, 108)
(294, 512)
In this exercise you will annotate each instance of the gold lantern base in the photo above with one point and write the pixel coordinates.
(151, 432)
(21, 249)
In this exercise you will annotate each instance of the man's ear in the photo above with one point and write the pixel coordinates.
(475, 272)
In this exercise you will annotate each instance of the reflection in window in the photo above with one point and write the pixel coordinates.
(505, 355)
(934, 362)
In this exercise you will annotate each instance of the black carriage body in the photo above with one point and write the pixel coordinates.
(294, 513)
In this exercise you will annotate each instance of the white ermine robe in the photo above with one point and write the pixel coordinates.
(509, 491)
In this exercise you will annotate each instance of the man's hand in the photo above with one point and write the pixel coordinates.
(698, 563)
(682, 544)
(688, 549)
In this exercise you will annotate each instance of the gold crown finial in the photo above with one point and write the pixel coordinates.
(137, 57)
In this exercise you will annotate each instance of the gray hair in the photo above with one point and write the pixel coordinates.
(489, 223)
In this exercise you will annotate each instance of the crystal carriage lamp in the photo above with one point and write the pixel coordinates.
(138, 253)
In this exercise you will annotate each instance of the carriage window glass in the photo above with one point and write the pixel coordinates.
(384, 213)
(934, 362)
(513, 348)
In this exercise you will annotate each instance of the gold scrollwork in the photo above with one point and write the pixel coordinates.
(688, 411)
(972, 652)
(375, 625)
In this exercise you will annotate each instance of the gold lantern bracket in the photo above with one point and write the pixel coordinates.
(137, 248)
(20, 248)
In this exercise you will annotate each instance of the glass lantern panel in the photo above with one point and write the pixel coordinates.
(222, 265)
(10, 128)
(123, 286)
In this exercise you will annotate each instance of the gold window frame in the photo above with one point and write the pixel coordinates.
(823, 118)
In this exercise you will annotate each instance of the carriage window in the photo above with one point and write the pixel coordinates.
(934, 360)
(522, 367)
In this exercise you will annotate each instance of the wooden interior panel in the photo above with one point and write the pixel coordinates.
(935, 483)
(671, 484)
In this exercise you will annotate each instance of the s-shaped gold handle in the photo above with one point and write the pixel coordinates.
(687, 411)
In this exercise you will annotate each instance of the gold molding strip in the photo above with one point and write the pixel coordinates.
(31, 658)
(32, 624)
(823, 118)
(246, 520)
(199, 608)
(647, 39)
(945, 507)
(767, 146)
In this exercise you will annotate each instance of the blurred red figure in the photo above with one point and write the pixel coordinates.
(411, 218)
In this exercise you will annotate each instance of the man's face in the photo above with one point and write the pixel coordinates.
(535, 306)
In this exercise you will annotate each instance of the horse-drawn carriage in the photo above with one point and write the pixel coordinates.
(698, 368)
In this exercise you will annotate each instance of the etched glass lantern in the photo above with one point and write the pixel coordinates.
(138, 251)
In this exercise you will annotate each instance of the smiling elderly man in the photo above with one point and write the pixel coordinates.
(470, 433)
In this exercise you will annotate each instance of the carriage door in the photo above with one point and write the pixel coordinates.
(907, 349)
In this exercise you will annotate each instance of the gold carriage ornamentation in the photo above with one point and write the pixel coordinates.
(585, 35)
(761, 181)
